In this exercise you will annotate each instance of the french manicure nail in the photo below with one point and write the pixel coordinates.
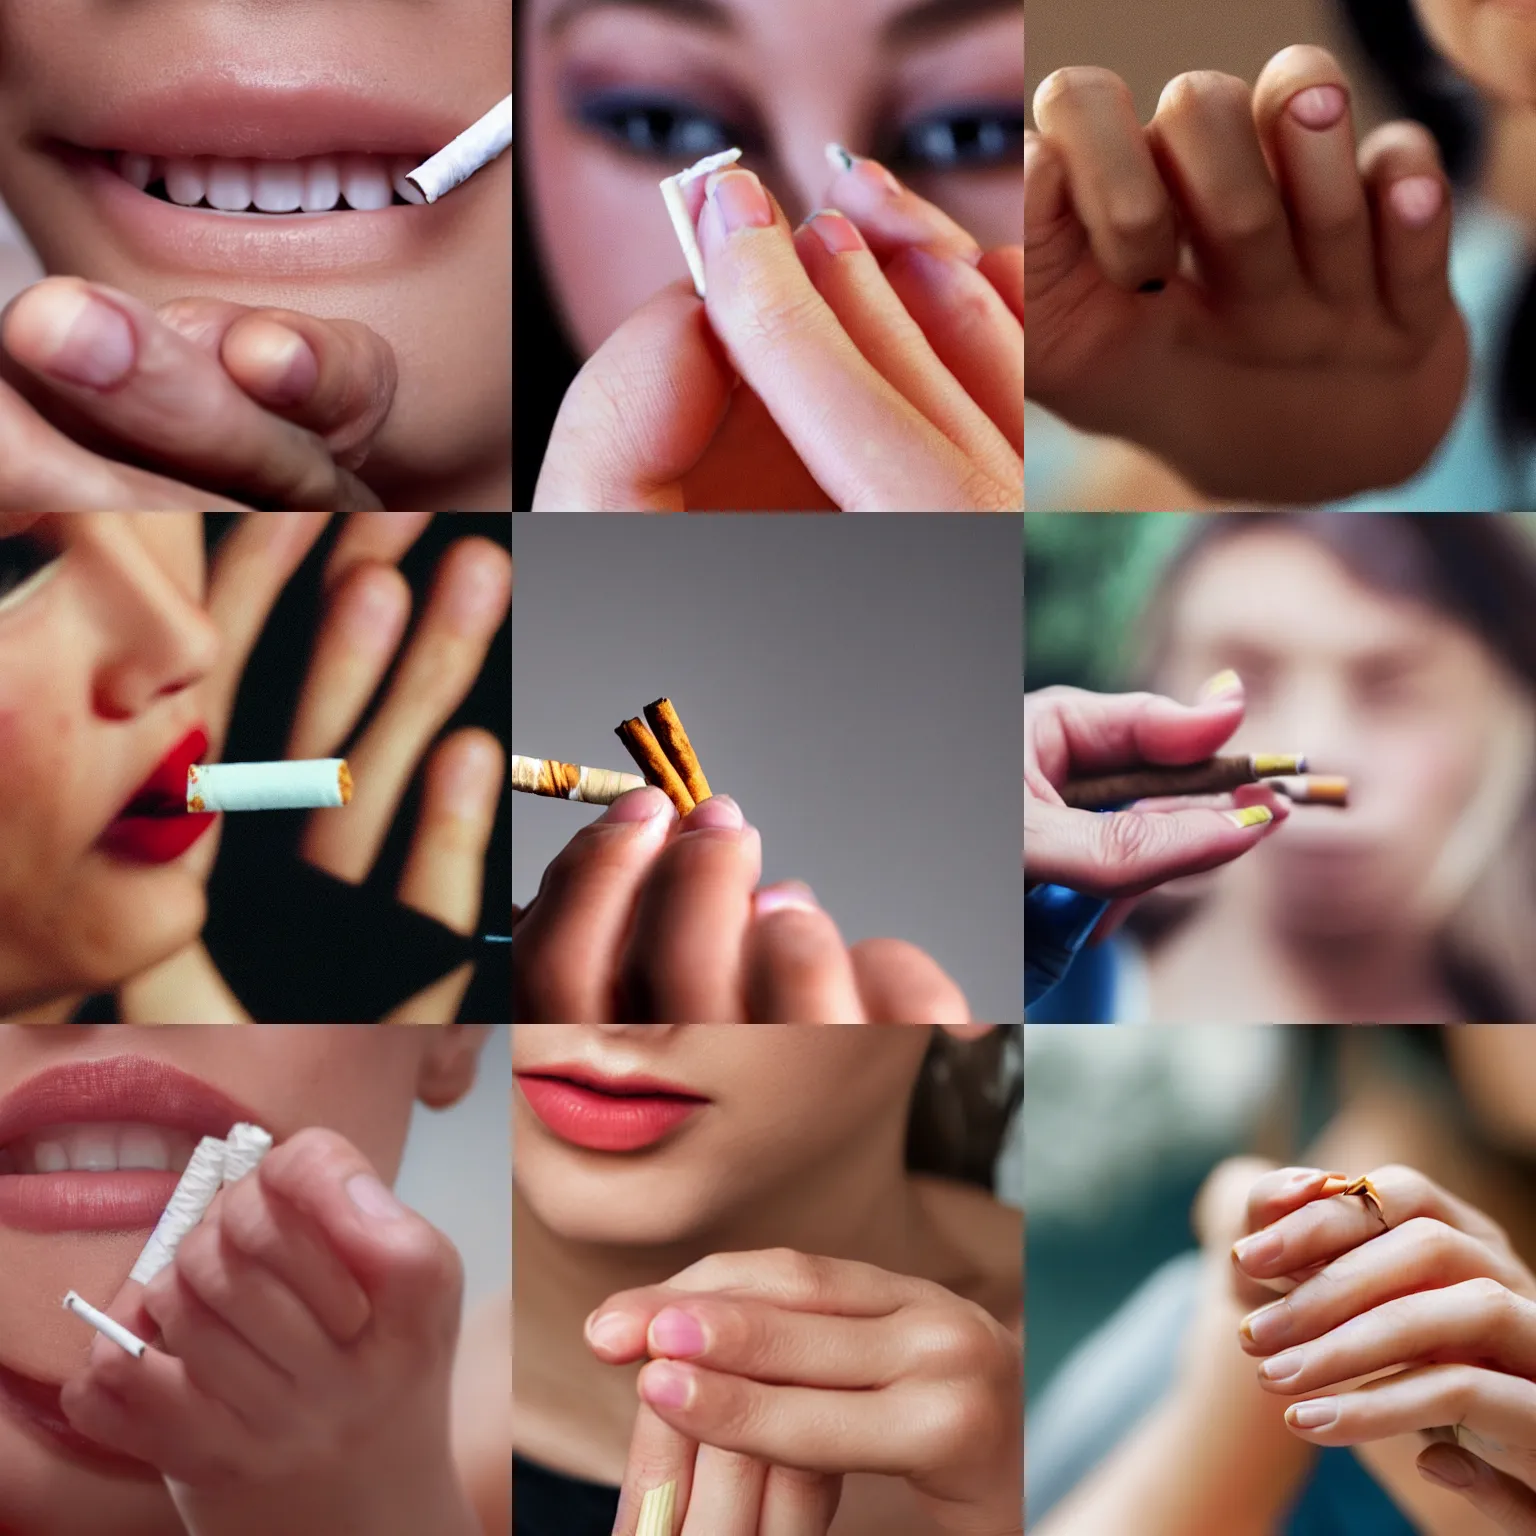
(644, 804)
(1250, 816)
(740, 199)
(278, 363)
(836, 231)
(1283, 1367)
(675, 1332)
(1268, 1326)
(717, 811)
(1225, 684)
(87, 340)
(1417, 200)
(373, 1199)
(1261, 1248)
(1316, 1414)
(870, 171)
(1319, 107)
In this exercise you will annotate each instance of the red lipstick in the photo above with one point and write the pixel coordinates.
(155, 827)
(607, 1114)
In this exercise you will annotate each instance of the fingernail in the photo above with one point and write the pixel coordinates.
(1250, 816)
(836, 231)
(607, 1330)
(718, 811)
(1283, 1367)
(87, 340)
(373, 1199)
(871, 172)
(1316, 1414)
(1319, 107)
(1444, 1465)
(277, 363)
(638, 805)
(675, 1332)
(740, 199)
(667, 1385)
(1417, 200)
(1225, 684)
(1268, 1326)
(1261, 1248)
(787, 896)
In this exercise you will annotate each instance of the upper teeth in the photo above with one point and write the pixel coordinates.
(317, 185)
(101, 1147)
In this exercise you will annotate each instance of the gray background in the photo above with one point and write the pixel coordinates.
(852, 681)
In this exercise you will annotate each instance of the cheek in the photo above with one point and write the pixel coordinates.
(39, 742)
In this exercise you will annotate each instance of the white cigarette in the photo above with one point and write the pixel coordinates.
(105, 1325)
(478, 145)
(593, 786)
(194, 1194)
(677, 207)
(310, 784)
(244, 1148)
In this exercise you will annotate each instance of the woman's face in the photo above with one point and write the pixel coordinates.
(1402, 700)
(1492, 42)
(621, 93)
(1496, 1067)
(103, 639)
(783, 1102)
(66, 1084)
(291, 82)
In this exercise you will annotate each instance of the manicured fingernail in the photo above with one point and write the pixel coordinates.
(373, 1199)
(1417, 200)
(86, 340)
(1319, 107)
(1226, 684)
(836, 231)
(1316, 1414)
(667, 1385)
(1250, 816)
(1268, 1326)
(277, 363)
(1283, 1367)
(740, 198)
(786, 896)
(675, 1332)
(1448, 1466)
(718, 811)
(1261, 1248)
(608, 1330)
(638, 805)
(871, 172)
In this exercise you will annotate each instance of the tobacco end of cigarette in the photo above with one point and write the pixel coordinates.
(344, 779)
(195, 803)
(653, 763)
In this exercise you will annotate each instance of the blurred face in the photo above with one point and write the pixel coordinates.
(1496, 1067)
(102, 640)
(1406, 703)
(230, 88)
(621, 93)
(1491, 42)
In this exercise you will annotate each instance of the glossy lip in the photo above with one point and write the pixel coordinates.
(154, 827)
(632, 1084)
(164, 792)
(600, 1122)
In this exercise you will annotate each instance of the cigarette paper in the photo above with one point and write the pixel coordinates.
(653, 762)
(677, 207)
(479, 144)
(294, 786)
(1314, 789)
(244, 1148)
(1212, 777)
(568, 781)
(194, 1194)
(657, 1511)
(673, 740)
(105, 1325)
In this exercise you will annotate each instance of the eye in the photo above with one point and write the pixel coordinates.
(962, 139)
(22, 556)
(657, 127)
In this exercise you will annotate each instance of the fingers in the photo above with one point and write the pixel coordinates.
(1508, 1502)
(1410, 199)
(1004, 269)
(805, 1282)
(900, 984)
(1111, 178)
(727, 1494)
(382, 537)
(658, 1455)
(797, 969)
(797, 1503)
(892, 216)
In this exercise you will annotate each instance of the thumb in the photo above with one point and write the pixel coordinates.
(640, 414)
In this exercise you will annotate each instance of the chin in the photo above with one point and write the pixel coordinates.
(598, 1212)
(109, 946)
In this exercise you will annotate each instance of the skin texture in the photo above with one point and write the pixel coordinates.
(446, 442)
(358, 1083)
(801, 1150)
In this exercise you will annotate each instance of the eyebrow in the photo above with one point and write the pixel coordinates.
(918, 23)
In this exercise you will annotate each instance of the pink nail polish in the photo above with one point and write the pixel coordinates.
(836, 231)
(675, 1332)
(741, 200)
(1319, 107)
(667, 1385)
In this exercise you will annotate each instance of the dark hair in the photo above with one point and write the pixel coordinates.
(966, 1098)
(1426, 88)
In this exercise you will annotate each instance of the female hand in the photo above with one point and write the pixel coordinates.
(357, 644)
(1420, 1284)
(187, 406)
(642, 919)
(1306, 346)
(881, 354)
(801, 1369)
(301, 1383)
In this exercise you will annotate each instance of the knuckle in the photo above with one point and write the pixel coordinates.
(1200, 93)
(794, 1275)
(1125, 839)
(1065, 86)
(958, 1418)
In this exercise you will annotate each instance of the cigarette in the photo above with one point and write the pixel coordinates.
(568, 781)
(1211, 777)
(654, 764)
(657, 1511)
(194, 1194)
(479, 144)
(677, 207)
(312, 784)
(673, 740)
(105, 1325)
(244, 1148)
(1314, 789)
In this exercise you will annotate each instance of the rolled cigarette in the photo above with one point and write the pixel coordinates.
(477, 146)
(567, 781)
(194, 1194)
(673, 740)
(1213, 776)
(306, 785)
(104, 1324)
(658, 1510)
(244, 1148)
(1314, 789)
(646, 751)
(677, 207)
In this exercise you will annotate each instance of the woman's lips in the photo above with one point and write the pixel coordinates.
(602, 1122)
(127, 1200)
(35, 1404)
(154, 827)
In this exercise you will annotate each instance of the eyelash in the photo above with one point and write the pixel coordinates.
(662, 129)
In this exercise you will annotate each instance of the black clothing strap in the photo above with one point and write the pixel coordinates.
(546, 1503)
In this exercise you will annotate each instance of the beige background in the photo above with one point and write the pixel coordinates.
(1148, 42)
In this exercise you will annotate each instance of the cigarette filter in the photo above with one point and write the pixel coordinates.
(657, 1511)
(479, 144)
(677, 207)
(105, 1325)
(673, 740)
(654, 764)
(244, 1148)
(194, 1194)
(1212, 777)
(293, 786)
(567, 781)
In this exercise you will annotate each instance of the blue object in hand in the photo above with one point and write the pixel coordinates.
(1057, 923)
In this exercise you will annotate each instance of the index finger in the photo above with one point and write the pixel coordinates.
(659, 1457)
